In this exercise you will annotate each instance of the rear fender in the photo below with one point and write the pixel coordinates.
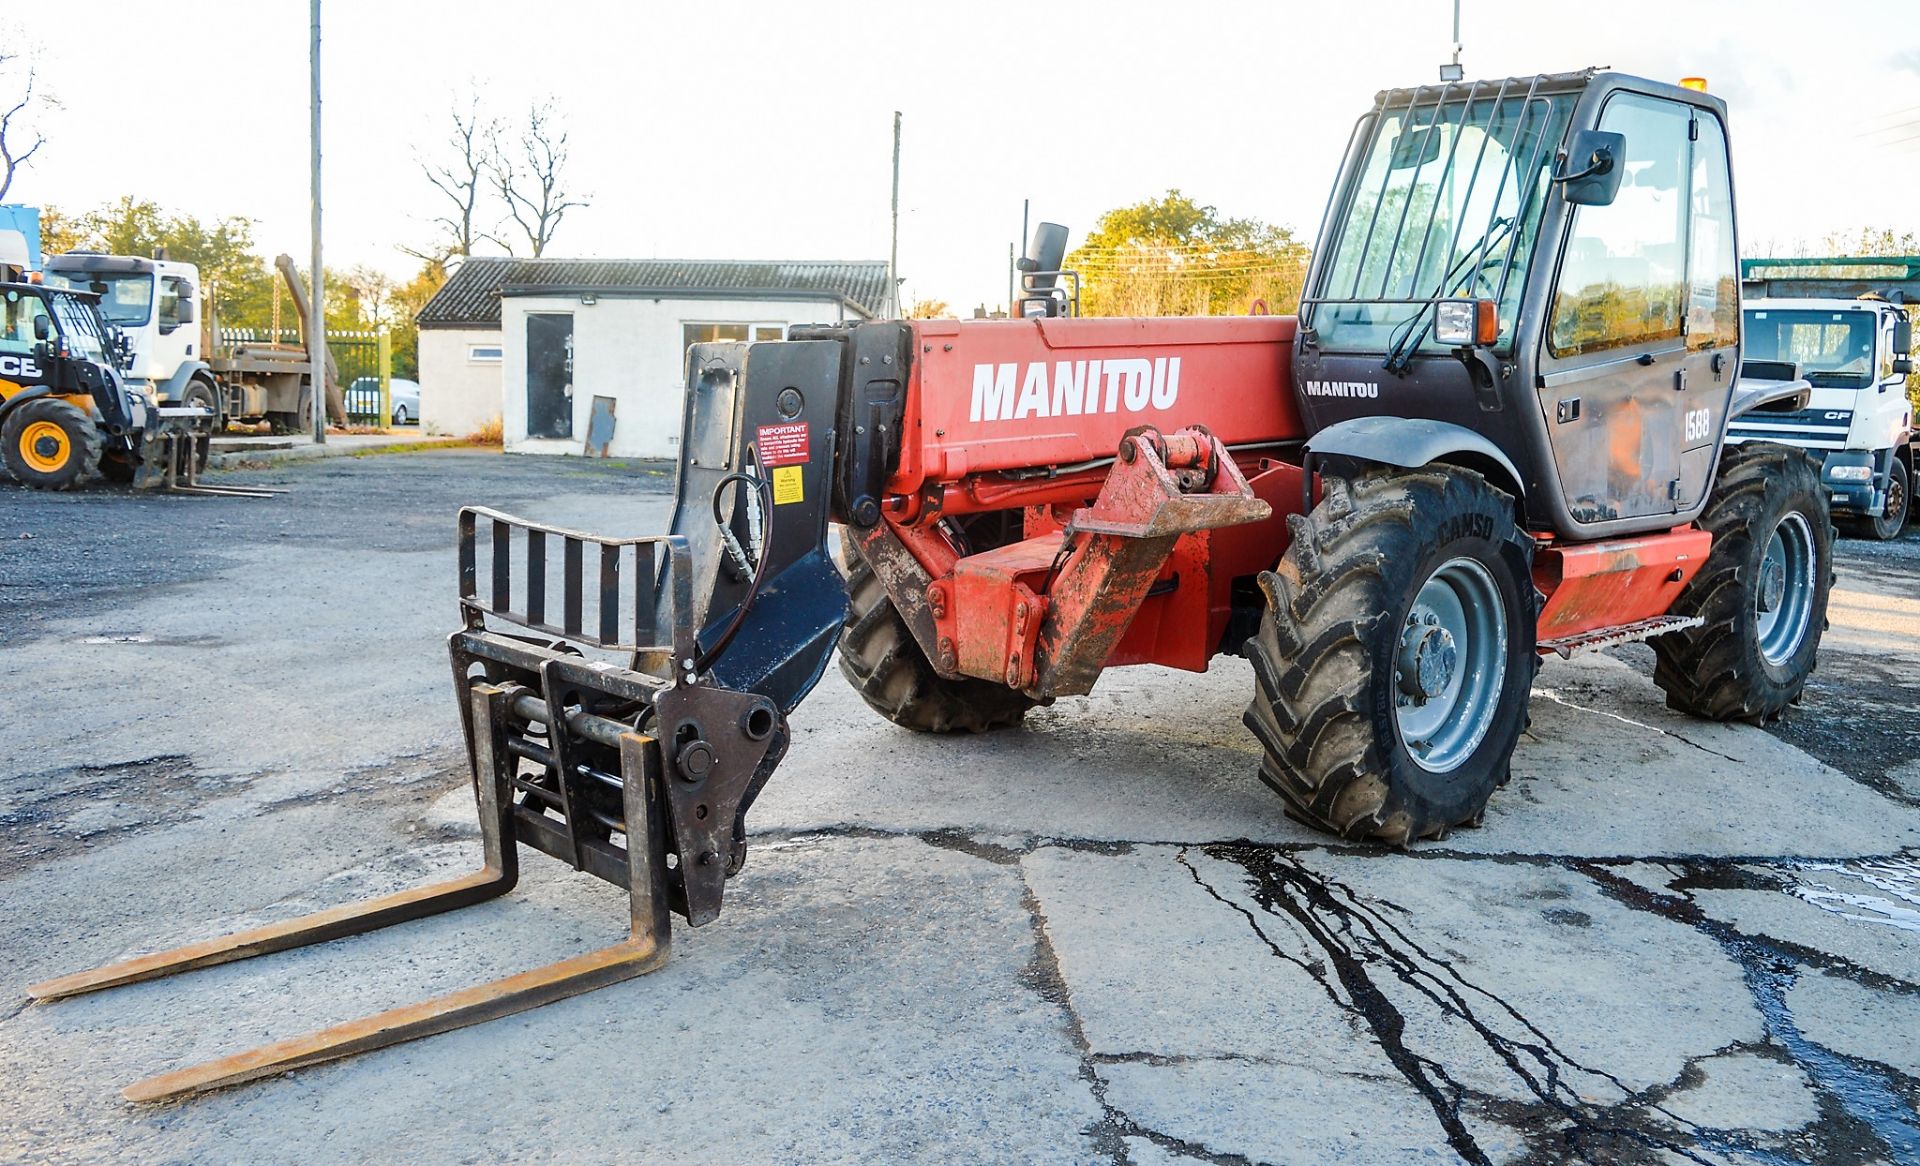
(1412, 442)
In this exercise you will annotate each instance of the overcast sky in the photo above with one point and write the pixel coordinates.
(762, 130)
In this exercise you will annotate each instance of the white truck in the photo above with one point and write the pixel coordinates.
(1843, 324)
(155, 305)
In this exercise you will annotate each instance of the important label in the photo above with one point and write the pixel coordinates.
(789, 485)
(783, 445)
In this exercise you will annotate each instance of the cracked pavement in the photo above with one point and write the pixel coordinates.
(1094, 939)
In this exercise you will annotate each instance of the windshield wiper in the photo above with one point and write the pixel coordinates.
(1412, 332)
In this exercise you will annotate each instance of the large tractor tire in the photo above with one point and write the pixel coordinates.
(50, 444)
(884, 663)
(1762, 592)
(1396, 654)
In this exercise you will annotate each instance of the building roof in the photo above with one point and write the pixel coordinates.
(471, 296)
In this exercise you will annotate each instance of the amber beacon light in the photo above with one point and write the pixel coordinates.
(1695, 83)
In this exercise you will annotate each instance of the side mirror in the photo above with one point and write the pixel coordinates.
(42, 328)
(1902, 366)
(1596, 162)
(1903, 336)
(185, 309)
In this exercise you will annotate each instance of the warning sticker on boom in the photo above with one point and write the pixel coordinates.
(789, 485)
(783, 445)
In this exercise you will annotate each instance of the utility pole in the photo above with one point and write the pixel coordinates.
(316, 305)
(893, 252)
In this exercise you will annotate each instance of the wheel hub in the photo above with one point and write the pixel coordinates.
(1773, 584)
(1784, 590)
(1450, 665)
(44, 447)
(1428, 656)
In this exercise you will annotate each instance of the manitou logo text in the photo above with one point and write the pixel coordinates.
(1070, 388)
(18, 366)
(1343, 389)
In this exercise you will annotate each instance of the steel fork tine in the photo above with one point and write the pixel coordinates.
(646, 949)
(497, 877)
(504, 997)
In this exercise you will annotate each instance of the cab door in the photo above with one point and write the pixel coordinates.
(1615, 367)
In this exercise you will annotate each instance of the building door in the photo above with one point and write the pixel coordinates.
(550, 374)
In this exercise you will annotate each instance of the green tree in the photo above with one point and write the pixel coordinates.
(240, 280)
(1173, 256)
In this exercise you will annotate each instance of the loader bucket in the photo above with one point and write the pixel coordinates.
(624, 701)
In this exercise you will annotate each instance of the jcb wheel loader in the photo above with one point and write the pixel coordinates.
(1493, 431)
(67, 415)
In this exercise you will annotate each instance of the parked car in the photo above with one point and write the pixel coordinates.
(405, 394)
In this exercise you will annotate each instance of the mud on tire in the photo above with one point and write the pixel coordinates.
(1348, 598)
(884, 663)
(1762, 593)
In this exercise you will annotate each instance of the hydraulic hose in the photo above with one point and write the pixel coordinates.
(764, 492)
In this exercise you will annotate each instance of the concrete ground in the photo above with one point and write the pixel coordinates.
(1092, 939)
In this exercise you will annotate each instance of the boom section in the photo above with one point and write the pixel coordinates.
(1016, 400)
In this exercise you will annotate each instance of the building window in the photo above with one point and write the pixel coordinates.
(484, 353)
(708, 333)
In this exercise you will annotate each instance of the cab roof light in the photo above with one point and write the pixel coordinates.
(1697, 84)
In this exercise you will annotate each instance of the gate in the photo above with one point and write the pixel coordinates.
(357, 357)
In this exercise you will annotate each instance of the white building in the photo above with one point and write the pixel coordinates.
(533, 342)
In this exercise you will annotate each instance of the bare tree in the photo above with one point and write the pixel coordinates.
(530, 178)
(459, 179)
(12, 120)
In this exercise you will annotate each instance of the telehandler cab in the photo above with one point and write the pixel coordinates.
(1495, 430)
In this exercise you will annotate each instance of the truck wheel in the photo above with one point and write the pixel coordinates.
(1395, 656)
(884, 663)
(1762, 592)
(51, 445)
(204, 395)
(282, 423)
(1893, 517)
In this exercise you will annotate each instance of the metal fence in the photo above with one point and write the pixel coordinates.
(357, 357)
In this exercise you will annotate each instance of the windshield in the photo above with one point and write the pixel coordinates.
(1445, 203)
(80, 329)
(1833, 349)
(126, 298)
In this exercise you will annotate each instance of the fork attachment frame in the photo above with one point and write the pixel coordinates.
(624, 728)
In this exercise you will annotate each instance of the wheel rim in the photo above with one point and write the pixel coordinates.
(45, 447)
(1450, 665)
(1896, 500)
(1783, 601)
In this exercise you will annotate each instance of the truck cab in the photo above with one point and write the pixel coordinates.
(1843, 326)
(154, 304)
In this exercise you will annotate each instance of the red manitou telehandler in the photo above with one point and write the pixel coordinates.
(1493, 431)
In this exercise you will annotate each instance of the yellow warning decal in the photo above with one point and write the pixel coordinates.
(788, 485)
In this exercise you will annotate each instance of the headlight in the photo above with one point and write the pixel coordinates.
(1453, 323)
(1851, 473)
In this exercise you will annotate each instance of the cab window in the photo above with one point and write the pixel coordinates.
(17, 314)
(173, 291)
(1623, 279)
(1713, 268)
